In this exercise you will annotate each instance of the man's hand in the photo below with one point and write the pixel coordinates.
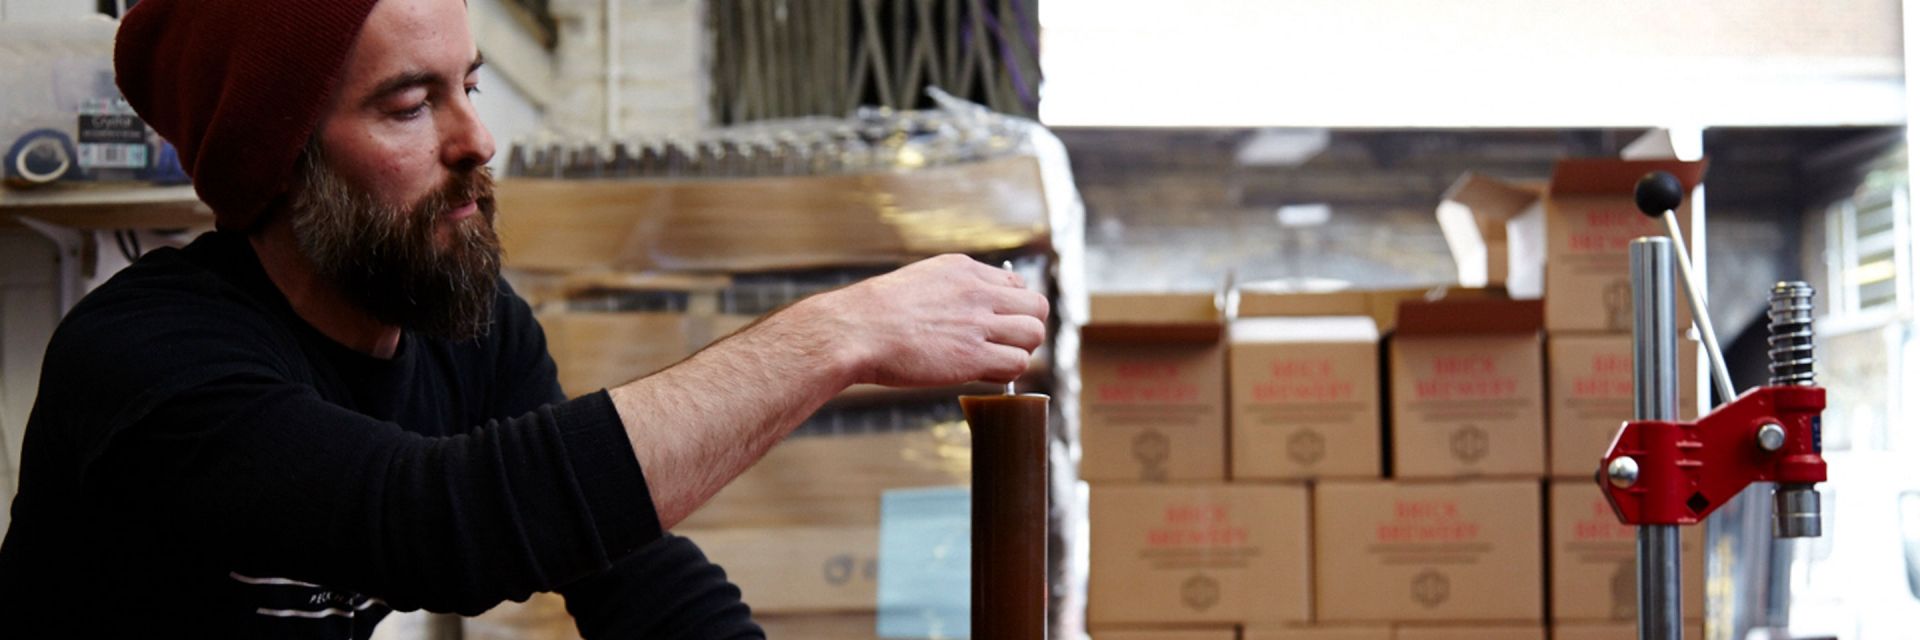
(941, 321)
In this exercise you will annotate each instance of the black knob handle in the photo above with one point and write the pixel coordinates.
(1657, 193)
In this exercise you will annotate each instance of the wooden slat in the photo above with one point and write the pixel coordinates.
(772, 223)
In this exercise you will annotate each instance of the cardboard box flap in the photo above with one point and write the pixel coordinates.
(1607, 176)
(1475, 216)
(1456, 316)
(1255, 303)
(1309, 329)
(1489, 202)
(1154, 318)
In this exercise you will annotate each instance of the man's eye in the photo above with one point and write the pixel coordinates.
(473, 90)
(411, 112)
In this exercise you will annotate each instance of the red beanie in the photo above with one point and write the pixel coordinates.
(237, 86)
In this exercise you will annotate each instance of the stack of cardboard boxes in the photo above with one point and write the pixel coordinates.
(1273, 469)
(1173, 543)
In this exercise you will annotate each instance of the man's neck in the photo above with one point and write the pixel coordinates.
(315, 300)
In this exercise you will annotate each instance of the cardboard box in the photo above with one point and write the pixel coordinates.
(1316, 632)
(835, 481)
(1590, 392)
(1305, 396)
(542, 615)
(1270, 300)
(819, 626)
(1468, 390)
(1592, 566)
(1692, 630)
(1190, 554)
(1386, 303)
(1153, 381)
(598, 350)
(1163, 634)
(1470, 632)
(1590, 220)
(1251, 301)
(797, 569)
(1429, 551)
(1496, 231)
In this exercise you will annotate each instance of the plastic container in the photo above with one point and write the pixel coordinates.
(61, 116)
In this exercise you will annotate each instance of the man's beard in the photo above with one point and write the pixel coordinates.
(390, 262)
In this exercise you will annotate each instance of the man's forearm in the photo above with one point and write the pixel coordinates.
(697, 425)
(940, 321)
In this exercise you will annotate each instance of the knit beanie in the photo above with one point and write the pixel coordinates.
(237, 86)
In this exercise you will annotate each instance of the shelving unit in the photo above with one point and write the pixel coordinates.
(105, 207)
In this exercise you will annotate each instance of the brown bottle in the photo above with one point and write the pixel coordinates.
(1009, 515)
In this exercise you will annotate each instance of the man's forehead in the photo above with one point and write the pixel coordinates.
(411, 36)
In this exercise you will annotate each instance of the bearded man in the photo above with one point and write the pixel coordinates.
(332, 406)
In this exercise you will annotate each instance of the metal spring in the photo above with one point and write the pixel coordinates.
(1790, 334)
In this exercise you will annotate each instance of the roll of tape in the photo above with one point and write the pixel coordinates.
(40, 157)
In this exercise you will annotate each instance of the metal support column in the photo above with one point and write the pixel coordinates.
(1654, 393)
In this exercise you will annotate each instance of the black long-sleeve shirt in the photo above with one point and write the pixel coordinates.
(202, 461)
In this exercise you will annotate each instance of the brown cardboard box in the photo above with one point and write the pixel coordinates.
(1590, 220)
(1470, 632)
(1316, 632)
(1496, 231)
(1386, 303)
(1153, 380)
(1259, 303)
(1259, 300)
(835, 481)
(597, 350)
(819, 626)
(1163, 634)
(1592, 564)
(1590, 392)
(1427, 551)
(1197, 554)
(1692, 630)
(1468, 390)
(1305, 394)
(797, 569)
(543, 615)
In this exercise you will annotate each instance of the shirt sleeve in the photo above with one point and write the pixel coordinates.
(667, 590)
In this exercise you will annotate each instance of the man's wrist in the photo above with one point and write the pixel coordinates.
(813, 329)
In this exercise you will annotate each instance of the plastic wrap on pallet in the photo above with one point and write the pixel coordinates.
(880, 188)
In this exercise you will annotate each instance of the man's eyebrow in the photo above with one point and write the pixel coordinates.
(410, 79)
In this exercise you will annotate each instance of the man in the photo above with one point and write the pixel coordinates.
(332, 406)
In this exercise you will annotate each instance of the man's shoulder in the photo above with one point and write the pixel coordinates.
(169, 283)
(170, 308)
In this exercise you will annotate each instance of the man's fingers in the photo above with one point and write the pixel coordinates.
(1025, 332)
(1004, 363)
(1020, 302)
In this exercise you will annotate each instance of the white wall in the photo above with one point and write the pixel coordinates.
(43, 10)
(659, 72)
(1503, 63)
